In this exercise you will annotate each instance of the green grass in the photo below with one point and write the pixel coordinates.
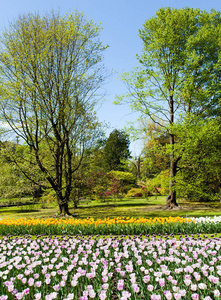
(100, 236)
(151, 207)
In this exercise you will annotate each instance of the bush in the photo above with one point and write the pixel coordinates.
(157, 185)
(124, 177)
(134, 192)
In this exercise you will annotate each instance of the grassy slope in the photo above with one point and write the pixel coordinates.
(152, 207)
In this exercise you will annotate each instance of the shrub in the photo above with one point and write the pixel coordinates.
(134, 192)
(124, 177)
(157, 185)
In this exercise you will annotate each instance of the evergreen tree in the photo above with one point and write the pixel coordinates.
(116, 150)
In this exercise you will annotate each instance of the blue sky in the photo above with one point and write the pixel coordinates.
(120, 20)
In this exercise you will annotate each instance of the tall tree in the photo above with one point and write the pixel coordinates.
(179, 71)
(116, 150)
(50, 69)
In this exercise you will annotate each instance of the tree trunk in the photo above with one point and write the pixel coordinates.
(138, 167)
(64, 210)
(171, 199)
(220, 198)
(63, 204)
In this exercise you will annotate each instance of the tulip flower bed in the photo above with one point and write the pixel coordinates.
(117, 226)
(106, 226)
(95, 267)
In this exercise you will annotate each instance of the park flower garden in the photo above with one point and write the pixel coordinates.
(114, 226)
(153, 265)
(54, 152)
(91, 226)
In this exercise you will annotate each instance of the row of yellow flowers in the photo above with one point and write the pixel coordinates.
(92, 221)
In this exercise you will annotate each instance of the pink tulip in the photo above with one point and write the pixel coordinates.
(120, 285)
(216, 293)
(168, 295)
(162, 282)
(177, 296)
(135, 287)
(150, 287)
(105, 286)
(92, 294)
(31, 281)
(103, 295)
(155, 297)
(146, 278)
(56, 287)
(37, 296)
(19, 296)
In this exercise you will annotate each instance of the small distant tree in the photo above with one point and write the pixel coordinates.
(103, 185)
(116, 150)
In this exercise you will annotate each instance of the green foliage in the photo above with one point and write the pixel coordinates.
(154, 157)
(182, 45)
(13, 182)
(157, 185)
(124, 177)
(199, 176)
(126, 181)
(103, 186)
(48, 197)
(180, 59)
(179, 71)
(116, 151)
(161, 181)
(135, 192)
(50, 70)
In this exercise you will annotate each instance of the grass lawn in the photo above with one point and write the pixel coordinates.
(151, 207)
